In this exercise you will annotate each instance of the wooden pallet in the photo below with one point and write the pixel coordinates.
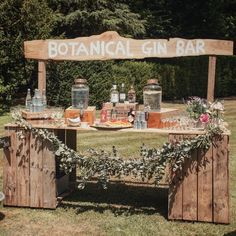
(30, 170)
(42, 115)
(201, 191)
(155, 118)
(89, 114)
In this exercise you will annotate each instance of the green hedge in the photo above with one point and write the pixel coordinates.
(179, 78)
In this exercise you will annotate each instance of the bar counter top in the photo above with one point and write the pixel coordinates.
(48, 124)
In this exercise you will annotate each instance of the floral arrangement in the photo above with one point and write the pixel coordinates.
(205, 112)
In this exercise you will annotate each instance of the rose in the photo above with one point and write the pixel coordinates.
(204, 118)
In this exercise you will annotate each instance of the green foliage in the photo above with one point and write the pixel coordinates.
(100, 76)
(103, 165)
(61, 78)
(225, 76)
(196, 107)
(19, 21)
(179, 78)
(158, 17)
(88, 17)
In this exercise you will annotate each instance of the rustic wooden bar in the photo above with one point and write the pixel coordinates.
(31, 174)
(201, 191)
(198, 193)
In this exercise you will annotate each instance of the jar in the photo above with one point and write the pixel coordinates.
(152, 94)
(80, 94)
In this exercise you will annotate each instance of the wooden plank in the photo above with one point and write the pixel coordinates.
(110, 45)
(175, 195)
(221, 181)
(23, 169)
(89, 114)
(42, 75)
(155, 118)
(211, 78)
(36, 174)
(61, 136)
(49, 176)
(71, 142)
(9, 171)
(48, 124)
(205, 200)
(190, 188)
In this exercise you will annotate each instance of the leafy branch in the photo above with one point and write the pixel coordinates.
(103, 165)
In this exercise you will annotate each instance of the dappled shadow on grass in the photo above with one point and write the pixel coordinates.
(2, 216)
(120, 199)
(233, 233)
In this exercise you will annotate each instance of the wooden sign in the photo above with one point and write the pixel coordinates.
(110, 45)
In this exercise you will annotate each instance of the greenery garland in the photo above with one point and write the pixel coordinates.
(102, 165)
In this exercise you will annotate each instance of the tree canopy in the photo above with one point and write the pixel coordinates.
(22, 20)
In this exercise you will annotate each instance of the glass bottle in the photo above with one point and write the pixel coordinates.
(132, 95)
(122, 93)
(33, 109)
(114, 98)
(131, 116)
(28, 100)
(103, 114)
(44, 99)
(152, 95)
(80, 94)
(38, 105)
(113, 113)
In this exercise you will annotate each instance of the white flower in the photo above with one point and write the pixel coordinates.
(217, 106)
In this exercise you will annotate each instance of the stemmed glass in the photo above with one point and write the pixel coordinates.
(57, 115)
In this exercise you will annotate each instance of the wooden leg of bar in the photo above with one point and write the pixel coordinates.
(9, 171)
(221, 181)
(203, 193)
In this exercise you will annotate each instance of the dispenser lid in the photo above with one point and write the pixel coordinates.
(80, 81)
(152, 81)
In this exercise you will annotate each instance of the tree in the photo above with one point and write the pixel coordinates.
(20, 20)
(157, 16)
(88, 17)
(203, 19)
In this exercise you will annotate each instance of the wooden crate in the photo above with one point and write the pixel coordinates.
(30, 170)
(45, 114)
(201, 191)
(88, 116)
(155, 118)
(121, 108)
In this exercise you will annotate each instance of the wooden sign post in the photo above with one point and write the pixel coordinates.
(211, 78)
(42, 75)
(110, 45)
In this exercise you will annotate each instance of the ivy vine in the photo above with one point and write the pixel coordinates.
(103, 165)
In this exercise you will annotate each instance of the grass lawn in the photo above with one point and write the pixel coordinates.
(120, 210)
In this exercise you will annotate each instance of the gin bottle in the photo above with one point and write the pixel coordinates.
(114, 94)
(122, 93)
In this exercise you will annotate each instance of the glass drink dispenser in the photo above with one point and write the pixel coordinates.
(152, 95)
(80, 94)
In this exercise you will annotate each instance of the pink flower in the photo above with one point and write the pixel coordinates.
(204, 118)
